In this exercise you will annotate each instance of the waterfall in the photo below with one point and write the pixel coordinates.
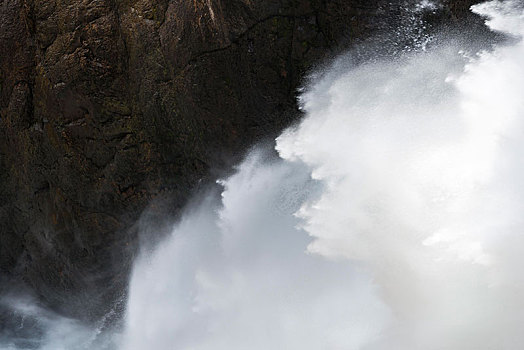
(392, 218)
(389, 218)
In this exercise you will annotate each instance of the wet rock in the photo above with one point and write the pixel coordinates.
(111, 107)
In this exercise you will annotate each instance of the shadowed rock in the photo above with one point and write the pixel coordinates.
(108, 107)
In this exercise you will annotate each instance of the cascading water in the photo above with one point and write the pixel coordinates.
(390, 220)
(405, 184)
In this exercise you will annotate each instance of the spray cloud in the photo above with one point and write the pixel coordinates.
(405, 184)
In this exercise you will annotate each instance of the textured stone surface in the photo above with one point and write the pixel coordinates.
(109, 106)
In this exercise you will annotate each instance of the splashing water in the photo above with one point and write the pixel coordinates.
(390, 220)
(406, 175)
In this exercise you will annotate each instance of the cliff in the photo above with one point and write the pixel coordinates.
(109, 107)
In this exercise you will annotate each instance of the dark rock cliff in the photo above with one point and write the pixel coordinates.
(108, 106)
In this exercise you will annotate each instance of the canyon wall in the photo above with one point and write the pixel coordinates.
(112, 107)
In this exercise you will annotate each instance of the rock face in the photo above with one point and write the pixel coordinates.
(107, 106)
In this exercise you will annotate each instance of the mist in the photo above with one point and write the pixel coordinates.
(389, 218)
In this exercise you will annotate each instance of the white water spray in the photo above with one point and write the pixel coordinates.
(392, 220)
(407, 177)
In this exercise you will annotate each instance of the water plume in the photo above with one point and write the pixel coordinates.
(422, 186)
(401, 226)
(390, 218)
(239, 277)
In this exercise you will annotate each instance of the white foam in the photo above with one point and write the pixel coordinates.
(407, 233)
